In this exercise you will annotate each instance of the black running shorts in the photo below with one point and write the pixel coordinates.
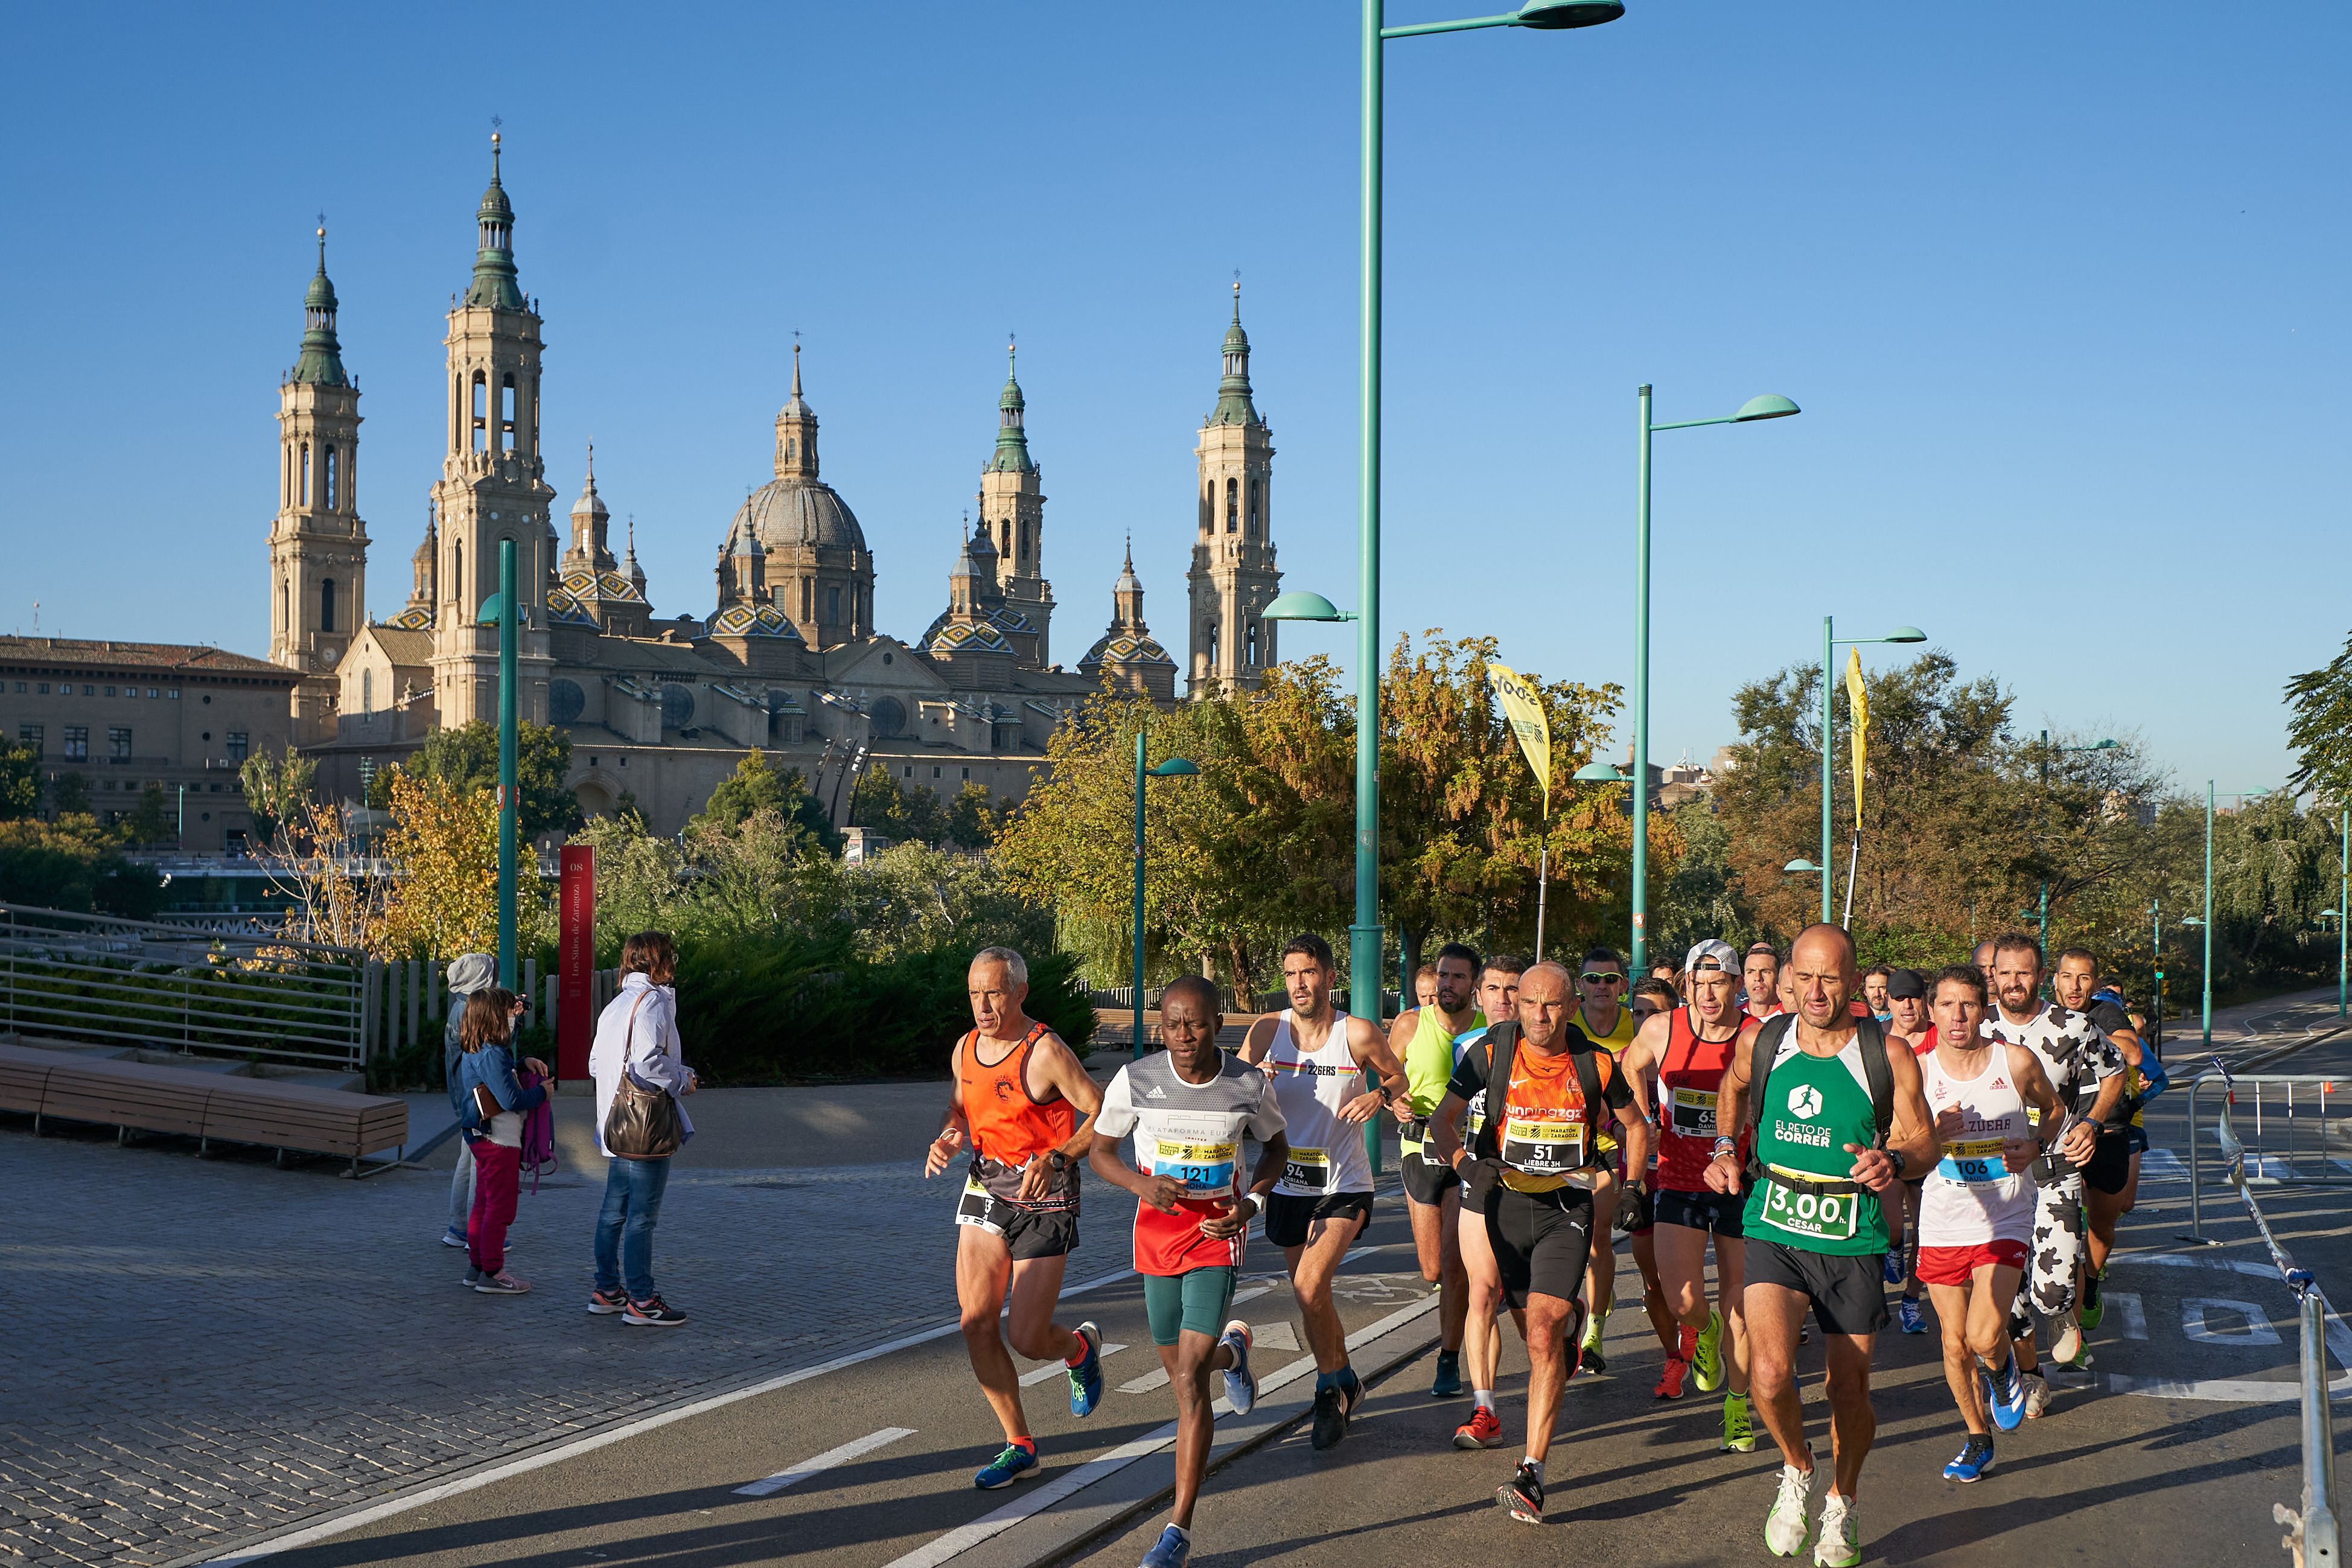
(2110, 1168)
(1426, 1180)
(1290, 1217)
(1848, 1292)
(1543, 1241)
(1027, 1233)
(1702, 1211)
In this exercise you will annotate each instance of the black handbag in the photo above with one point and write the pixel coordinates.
(643, 1123)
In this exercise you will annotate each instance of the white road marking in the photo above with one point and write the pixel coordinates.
(1274, 1337)
(2257, 1332)
(1052, 1369)
(825, 1461)
(2162, 1165)
(2130, 1315)
(2228, 1390)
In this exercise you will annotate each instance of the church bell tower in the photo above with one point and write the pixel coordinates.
(1233, 575)
(317, 545)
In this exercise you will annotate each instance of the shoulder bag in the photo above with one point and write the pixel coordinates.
(643, 1123)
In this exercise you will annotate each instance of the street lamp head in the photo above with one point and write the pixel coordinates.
(2189, 920)
(1300, 605)
(1598, 772)
(2103, 746)
(1769, 407)
(1906, 634)
(1802, 868)
(1175, 768)
(1557, 15)
(493, 609)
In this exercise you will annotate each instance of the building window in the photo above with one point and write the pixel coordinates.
(967, 774)
(326, 604)
(237, 745)
(507, 414)
(306, 473)
(77, 744)
(481, 412)
(1252, 530)
(911, 770)
(935, 772)
(152, 692)
(118, 744)
(1249, 652)
(92, 691)
(367, 691)
(30, 735)
(833, 604)
(42, 689)
(1232, 505)
(333, 490)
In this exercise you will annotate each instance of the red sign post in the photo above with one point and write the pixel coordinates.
(575, 1014)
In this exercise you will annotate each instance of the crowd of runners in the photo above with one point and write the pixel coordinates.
(1826, 1134)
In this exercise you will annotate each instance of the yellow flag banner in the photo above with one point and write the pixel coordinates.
(1523, 706)
(1861, 702)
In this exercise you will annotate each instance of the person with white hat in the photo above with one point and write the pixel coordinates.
(468, 973)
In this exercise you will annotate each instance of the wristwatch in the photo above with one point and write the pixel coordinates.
(1059, 1161)
(1896, 1158)
(1725, 1146)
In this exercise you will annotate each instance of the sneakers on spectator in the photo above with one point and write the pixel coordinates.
(604, 1303)
(652, 1313)
(501, 1284)
(453, 1238)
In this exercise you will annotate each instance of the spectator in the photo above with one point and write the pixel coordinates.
(486, 1071)
(468, 973)
(636, 1035)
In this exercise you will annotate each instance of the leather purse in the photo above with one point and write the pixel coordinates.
(643, 1123)
(486, 1105)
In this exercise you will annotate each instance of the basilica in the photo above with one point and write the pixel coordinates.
(787, 658)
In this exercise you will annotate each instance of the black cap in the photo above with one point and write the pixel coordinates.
(1907, 984)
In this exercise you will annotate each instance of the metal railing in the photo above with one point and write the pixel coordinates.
(2292, 1144)
(2311, 1531)
(107, 981)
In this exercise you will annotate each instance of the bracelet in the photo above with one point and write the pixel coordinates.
(1725, 1146)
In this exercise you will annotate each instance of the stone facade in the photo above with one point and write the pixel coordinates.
(1233, 575)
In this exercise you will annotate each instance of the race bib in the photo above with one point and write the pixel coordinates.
(1821, 1216)
(977, 1206)
(1976, 1160)
(1197, 1167)
(1474, 1118)
(1693, 1112)
(1309, 1168)
(1543, 1148)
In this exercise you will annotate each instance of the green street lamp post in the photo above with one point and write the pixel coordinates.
(1830, 643)
(1754, 409)
(2339, 957)
(2042, 919)
(2208, 922)
(1173, 768)
(499, 611)
(2343, 902)
(2156, 962)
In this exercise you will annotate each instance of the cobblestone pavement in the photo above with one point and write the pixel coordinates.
(224, 1349)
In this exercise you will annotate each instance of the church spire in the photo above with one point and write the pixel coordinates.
(1233, 405)
(797, 429)
(494, 282)
(322, 355)
(1012, 440)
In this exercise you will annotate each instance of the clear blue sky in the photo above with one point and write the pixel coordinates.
(2060, 288)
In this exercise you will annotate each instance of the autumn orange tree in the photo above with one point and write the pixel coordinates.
(442, 898)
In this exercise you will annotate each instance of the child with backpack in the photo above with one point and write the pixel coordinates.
(493, 1104)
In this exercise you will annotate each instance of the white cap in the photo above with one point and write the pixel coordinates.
(1726, 958)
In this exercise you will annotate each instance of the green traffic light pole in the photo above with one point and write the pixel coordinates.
(499, 611)
(1174, 767)
(1755, 409)
(1830, 643)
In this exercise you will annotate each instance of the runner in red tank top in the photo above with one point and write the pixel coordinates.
(1906, 1001)
(1684, 1052)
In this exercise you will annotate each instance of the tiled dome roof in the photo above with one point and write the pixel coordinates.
(790, 512)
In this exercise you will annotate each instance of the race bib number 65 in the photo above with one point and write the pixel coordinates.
(1693, 1112)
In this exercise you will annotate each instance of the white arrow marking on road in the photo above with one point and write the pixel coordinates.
(825, 1461)
(1036, 1376)
(2132, 1317)
(2162, 1165)
(2257, 1332)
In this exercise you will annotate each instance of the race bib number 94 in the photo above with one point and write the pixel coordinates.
(1824, 1217)
(1198, 1167)
(1309, 1168)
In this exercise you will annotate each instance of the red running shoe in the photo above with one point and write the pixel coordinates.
(1483, 1430)
(1670, 1382)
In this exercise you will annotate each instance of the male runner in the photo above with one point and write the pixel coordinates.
(1020, 1103)
(1837, 1120)
(1983, 962)
(2111, 1180)
(1685, 1053)
(1423, 1039)
(1528, 1176)
(1760, 975)
(1977, 1212)
(1189, 1107)
(1909, 1024)
(1425, 985)
(2088, 1075)
(1874, 991)
(1316, 1057)
(1602, 1018)
(1648, 999)
(1482, 1344)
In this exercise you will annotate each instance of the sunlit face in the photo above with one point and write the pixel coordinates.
(2074, 981)
(1910, 1014)
(1425, 989)
(1454, 984)
(1189, 1029)
(1874, 991)
(1713, 990)
(1543, 1003)
(1307, 983)
(1958, 1011)
(1498, 994)
(995, 999)
(1600, 984)
(1761, 974)
(2017, 979)
(1820, 977)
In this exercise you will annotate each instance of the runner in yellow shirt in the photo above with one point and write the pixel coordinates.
(1608, 1024)
(1423, 1039)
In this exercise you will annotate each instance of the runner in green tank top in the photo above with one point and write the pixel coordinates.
(1423, 1040)
(1816, 1233)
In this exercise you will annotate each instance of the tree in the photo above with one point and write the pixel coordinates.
(2321, 730)
(68, 795)
(754, 787)
(315, 863)
(275, 789)
(903, 814)
(468, 757)
(73, 864)
(20, 781)
(443, 898)
(975, 816)
(153, 819)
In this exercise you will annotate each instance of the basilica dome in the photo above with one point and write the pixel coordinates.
(794, 512)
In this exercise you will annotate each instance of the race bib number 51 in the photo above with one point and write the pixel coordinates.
(1824, 1217)
(1543, 1148)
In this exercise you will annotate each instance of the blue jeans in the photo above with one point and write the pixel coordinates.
(624, 1230)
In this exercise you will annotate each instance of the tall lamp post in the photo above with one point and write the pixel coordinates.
(2343, 902)
(2042, 920)
(2208, 922)
(2339, 957)
(1173, 768)
(498, 610)
(1754, 409)
(1830, 643)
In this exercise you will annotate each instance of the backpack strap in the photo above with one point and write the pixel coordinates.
(1878, 1074)
(1759, 1064)
(1499, 1089)
(1588, 1084)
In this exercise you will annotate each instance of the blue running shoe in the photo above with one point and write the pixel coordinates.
(1915, 1321)
(1173, 1550)
(1894, 1269)
(1007, 1467)
(1448, 1382)
(1086, 1378)
(1975, 1459)
(1241, 1387)
(2005, 1392)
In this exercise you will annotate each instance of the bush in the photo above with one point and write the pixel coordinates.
(74, 864)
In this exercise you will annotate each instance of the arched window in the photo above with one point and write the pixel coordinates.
(457, 571)
(334, 491)
(481, 412)
(1004, 536)
(507, 414)
(1232, 505)
(306, 474)
(286, 480)
(367, 691)
(833, 606)
(1251, 652)
(327, 604)
(1213, 646)
(285, 608)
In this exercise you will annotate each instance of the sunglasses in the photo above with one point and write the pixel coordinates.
(1611, 978)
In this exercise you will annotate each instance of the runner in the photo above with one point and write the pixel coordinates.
(1837, 1120)
(1316, 1059)
(1907, 999)
(1759, 976)
(1873, 992)
(1423, 1039)
(1636, 1214)
(2088, 1076)
(1528, 1176)
(1603, 1019)
(1650, 997)
(1983, 962)
(1425, 985)
(1685, 1053)
(1020, 1104)
(2111, 1180)
(1977, 1214)
(1189, 1107)
(1482, 1346)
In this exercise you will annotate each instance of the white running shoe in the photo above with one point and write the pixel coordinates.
(1786, 1529)
(2037, 1395)
(2067, 1348)
(1840, 1545)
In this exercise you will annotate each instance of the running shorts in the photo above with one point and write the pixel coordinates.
(1542, 1241)
(1290, 1218)
(1717, 1212)
(1426, 1180)
(1193, 1302)
(1848, 1291)
(2110, 1167)
(1957, 1264)
(1027, 1233)
(2136, 1140)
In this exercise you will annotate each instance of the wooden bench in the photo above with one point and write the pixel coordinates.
(146, 1097)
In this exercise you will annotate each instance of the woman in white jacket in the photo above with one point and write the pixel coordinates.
(636, 1033)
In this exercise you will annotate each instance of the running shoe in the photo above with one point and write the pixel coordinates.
(2066, 1350)
(453, 1238)
(1840, 1545)
(1706, 1348)
(2094, 1306)
(1915, 1321)
(652, 1313)
(1894, 1270)
(1523, 1499)
(1786, 1529)
(2037, 1395)
(473, 1276)
(1483, 1430)
(1975, 1459)
(1590, 1358)
(1672, 1379)
(1086, 1378)
(501, 1284)
(1333, 1407)
(1448, 1382)
(2005, 1395)
(1738, 1437)
(1241, 1388)
(1173, 1550)
(1007, 1467)
(605, 1303)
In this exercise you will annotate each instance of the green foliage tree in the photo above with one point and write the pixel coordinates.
(902, 814)
(274, 789)
(2321, 730)
(154, 820)
(974, 817)
(73, 864)
(20, 781)
(68, 795)
(755, 787)
(467, 756)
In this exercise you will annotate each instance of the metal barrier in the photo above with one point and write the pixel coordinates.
(108, 981)
(2312, 1535)
(2294, 1112)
